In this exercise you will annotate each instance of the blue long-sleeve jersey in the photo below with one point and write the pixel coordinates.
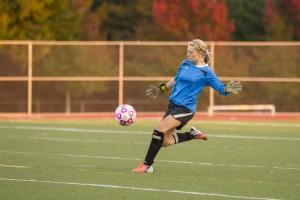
(189, 82)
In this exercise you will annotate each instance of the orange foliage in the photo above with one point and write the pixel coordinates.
(282, 20)
(186, 20)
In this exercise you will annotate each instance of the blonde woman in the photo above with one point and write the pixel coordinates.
(192, 76)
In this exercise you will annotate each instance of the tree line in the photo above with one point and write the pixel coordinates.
(151, 20)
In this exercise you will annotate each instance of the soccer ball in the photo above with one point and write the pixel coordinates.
(125, 115)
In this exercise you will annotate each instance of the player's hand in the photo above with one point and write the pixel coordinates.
(153, 92)
(233, 87)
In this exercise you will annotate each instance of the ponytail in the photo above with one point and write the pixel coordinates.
(206, 56)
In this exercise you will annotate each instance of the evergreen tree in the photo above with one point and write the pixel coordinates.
(248, 18)
(123, 19)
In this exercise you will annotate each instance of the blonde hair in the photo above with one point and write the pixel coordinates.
(200, 46)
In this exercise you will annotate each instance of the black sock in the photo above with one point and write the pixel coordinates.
(155, 145)
(182, 137)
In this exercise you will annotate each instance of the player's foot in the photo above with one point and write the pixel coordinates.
(198, 134)
(143, 168)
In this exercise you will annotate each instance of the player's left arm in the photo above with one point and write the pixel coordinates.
(224, 89)
(233, 87)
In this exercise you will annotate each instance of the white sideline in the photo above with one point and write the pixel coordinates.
(137, 159)
(241, 123)
(127, 132)
(134, 188)
(144, 143)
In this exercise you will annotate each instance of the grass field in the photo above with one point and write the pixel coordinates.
(93, 159)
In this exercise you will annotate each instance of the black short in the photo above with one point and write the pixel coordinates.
(180, 113)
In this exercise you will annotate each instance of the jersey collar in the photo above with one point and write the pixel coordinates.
(201, 66)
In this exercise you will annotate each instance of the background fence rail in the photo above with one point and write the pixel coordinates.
(119, 72)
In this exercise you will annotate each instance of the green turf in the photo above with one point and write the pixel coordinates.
(93, 159)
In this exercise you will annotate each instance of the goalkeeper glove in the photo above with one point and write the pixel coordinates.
(154, 91)
(233, 87)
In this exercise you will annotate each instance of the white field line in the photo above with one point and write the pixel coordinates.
(14, 166)
(77, 140)
(253, 137)
(143, 143)
(238, 123)
(73, 130)
(139, 132)
(86, 166)
(134, 188)
(137, 159)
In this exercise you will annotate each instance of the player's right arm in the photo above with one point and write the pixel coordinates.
(154, 91)
(171, 83)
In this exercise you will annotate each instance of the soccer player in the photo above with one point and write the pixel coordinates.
(192, 76)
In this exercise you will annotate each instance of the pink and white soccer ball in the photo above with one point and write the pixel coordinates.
(125, 115)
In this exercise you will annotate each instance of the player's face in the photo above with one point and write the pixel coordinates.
(193, 55)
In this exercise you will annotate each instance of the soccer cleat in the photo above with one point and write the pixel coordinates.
(143, 168)
(197, 133)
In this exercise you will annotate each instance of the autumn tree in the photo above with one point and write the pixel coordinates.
(282, 20)
(185, 20)
(53, 20)
(39, 20)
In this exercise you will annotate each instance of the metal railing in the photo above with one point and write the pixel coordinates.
(30, 79)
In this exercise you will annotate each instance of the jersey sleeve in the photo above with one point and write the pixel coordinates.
(213, 81)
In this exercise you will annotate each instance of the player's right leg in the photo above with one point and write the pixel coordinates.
(192, 134)
(197, 133)
(154, 147)
(159, 137)
(143, 168)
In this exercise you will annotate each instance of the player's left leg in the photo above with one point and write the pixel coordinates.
(192, 134)
(184, 116)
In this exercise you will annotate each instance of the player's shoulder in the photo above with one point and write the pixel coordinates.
(207, 68)
(186, 62)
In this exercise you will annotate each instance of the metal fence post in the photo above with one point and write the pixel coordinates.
(29, 91)
(211, 90)
(121, 72)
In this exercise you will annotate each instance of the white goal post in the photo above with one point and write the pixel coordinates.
(270, 107)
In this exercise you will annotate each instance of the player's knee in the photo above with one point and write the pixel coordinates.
(168, 141)
(166, 144)
(161, 129)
